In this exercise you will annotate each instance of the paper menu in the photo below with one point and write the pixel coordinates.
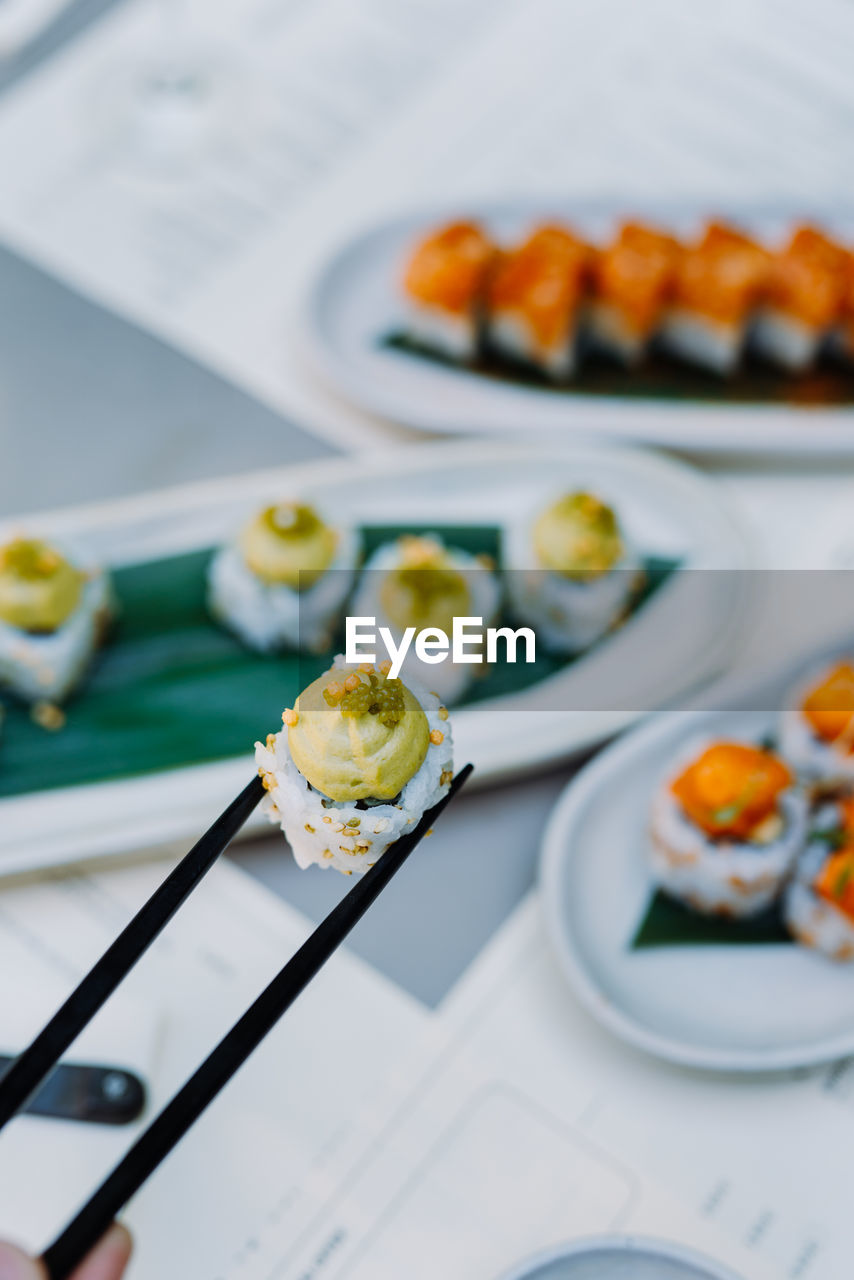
(258, 1152)
(761, 1159)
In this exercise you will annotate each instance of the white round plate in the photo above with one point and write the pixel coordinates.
(355, 301)
(666, 508)
(619, 1258)
(760, 1007)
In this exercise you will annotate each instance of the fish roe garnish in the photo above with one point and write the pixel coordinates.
(352, 682)
(334, 692)
(290, 717)
(366, 668)
(443, 713)
(437, 737)
(385, 667)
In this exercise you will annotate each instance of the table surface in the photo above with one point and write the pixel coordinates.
(179, 421)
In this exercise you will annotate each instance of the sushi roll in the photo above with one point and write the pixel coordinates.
(726, 828)
(53, 615)
(817, 727)
(360, 759)
(419, 582)
(534, 300)
(803, 300)
(819, 903)
(717, 286)
(572, 573)
(444, 285)
(631, 284)
(283, 582)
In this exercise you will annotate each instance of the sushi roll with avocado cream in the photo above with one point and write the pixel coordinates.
(283, 583)
(420, 582)
(819, 903)
(53, 614)
(572, 573)
(727, 825)
(444, 287)
(360, 759)
(817, 728)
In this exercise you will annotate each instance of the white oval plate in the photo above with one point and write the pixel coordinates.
(619, 1258)
(666, 507)
(747, 1008)
(355, 300)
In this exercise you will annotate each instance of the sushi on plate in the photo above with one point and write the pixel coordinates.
(717, 285)
(417, 581)
(817, 727)
(445, 288)
(727, 824)
(283, 582)
(803, 299)
(819, 903)
(571, 571)
(359, 760)
(535, 300)
(53, 615)
(632, 281)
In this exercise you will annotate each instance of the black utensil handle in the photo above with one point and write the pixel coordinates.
(87, 1093)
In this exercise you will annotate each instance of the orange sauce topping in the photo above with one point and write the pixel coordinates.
(835, 881)
(809, 278)
(636, 274)
(731, 788)
(543, 280)
(829, 707)
(449, 269)
(723, 276)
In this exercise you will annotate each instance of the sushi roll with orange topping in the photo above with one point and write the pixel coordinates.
(631, 284)
(819, 903)
(717, 286)
(726, 827)
(817, 729)
(535, 295)
(803, 300)
(445, 285)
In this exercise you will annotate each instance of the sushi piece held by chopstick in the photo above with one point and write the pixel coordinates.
(819, 902)
(360, 759)
(631, 283)
(535, 295)
(803, 300)
(444, 285)
(718, 284)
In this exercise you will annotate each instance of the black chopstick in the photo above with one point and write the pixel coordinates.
(36, 1062)
(166, 1130)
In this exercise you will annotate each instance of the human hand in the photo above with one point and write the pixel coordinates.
(107, 1261)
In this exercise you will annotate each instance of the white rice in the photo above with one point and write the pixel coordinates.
(455, 335)
(269, 616)
(345, 835)
(447, 679)
(724, 877)
(701, 341)
(510, 332)
(811, 919)
(785, 340)
(45, 668)
(567, 614)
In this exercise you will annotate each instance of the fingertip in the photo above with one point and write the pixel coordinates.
(108, 1259)
(15, 1265)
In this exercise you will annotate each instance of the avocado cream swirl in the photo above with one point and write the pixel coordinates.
(288, 545)
(39, 589)
(357, 736)
(578, 536)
